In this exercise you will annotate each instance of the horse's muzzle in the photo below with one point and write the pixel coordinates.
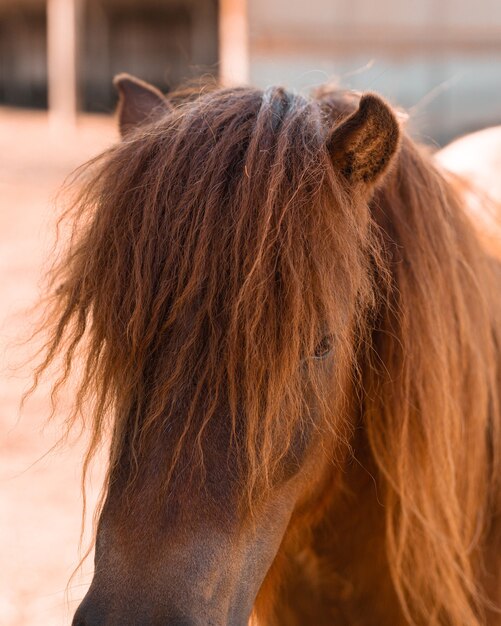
(94, 612)
(90, 618)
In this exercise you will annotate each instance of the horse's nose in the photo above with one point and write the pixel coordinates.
(84, 620)
(92, 613)
(88, 615)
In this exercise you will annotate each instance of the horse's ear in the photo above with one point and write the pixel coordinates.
(138, 102)
(363, 145)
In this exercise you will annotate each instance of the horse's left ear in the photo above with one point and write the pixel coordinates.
(138, 103)
(363, 145)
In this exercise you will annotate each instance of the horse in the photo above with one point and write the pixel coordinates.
(476, 159)
(285, 325)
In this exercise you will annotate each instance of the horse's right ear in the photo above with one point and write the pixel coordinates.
(138, 103)
(363, 145)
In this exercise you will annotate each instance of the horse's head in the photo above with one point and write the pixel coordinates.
(222, 277)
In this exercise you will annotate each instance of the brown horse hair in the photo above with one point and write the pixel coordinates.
(223, 235)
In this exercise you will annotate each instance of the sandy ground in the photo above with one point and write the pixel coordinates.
(40, 501)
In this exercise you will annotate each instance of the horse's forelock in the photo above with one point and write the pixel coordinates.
(197, 238)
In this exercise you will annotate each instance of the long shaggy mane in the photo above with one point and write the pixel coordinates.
(210, 250)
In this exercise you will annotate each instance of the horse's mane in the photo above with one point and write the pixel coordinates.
(222, 236)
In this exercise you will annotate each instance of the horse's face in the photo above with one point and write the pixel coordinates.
(198, 547)
(200, 555)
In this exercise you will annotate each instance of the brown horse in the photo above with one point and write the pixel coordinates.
(282, 316)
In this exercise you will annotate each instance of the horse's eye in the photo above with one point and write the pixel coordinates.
(323, 348)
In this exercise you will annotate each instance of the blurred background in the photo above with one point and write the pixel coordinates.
(440, 59)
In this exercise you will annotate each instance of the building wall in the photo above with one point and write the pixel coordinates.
(23, 54)
(163, 41)
(441, 59)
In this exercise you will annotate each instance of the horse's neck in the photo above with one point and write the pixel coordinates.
(342, 564)
(353, 536)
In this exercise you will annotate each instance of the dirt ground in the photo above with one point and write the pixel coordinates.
(40, 500)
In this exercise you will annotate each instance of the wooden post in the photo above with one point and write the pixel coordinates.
(62, 58)
(233, 42)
